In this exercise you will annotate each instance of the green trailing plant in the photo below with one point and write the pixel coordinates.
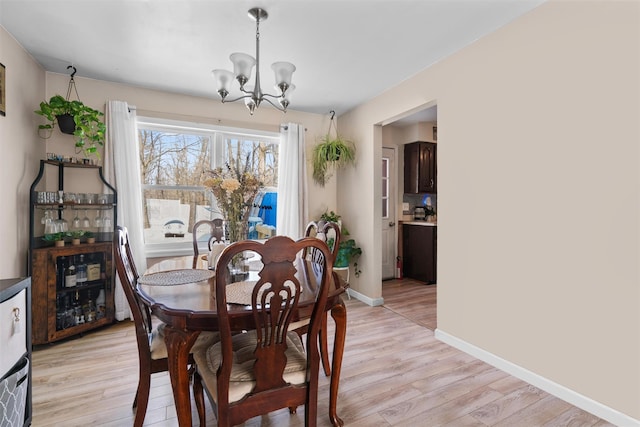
(89, 130)
(331, 153)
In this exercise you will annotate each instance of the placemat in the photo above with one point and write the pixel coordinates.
(176, 277)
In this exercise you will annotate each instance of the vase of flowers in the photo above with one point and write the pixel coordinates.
(235, 190)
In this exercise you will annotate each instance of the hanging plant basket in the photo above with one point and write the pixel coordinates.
(73, 118)
(330, 154)
(66, 123)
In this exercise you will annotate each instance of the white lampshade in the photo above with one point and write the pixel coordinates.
(223, 79)
(242, 65)
(283, 72)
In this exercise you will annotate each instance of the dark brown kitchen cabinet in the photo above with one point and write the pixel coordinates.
(420, 168)
(419, 244)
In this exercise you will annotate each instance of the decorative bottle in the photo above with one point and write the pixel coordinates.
(70, 275)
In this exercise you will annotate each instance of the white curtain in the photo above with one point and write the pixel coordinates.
(292, 182)
(122, 170)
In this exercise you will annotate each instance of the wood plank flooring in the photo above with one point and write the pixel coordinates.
(395, 373)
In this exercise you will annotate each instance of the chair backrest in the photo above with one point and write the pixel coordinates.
(213, 229)
(327, 231)
(275, 298)
(128, 275)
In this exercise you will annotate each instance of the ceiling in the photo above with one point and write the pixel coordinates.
(346, 51)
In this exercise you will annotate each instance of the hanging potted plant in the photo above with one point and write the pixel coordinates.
(331, 153)
(74, 118)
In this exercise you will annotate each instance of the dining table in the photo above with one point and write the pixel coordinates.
(184, 299)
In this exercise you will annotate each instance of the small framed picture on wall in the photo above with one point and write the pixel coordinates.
(3, 90)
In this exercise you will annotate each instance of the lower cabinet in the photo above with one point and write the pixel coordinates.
(15, 352)
(419, 252)
(72, 290)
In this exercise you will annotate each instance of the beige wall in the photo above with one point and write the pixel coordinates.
(21, 150)
(538, 195)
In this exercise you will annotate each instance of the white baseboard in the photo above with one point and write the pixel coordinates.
(365, 299)
(596, 408)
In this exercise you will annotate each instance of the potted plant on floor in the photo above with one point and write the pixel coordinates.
(348, 251)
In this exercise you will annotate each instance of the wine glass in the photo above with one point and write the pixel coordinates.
(106, 221)
(64, 224)
(86, 222)
(76, 221)
(97, 221)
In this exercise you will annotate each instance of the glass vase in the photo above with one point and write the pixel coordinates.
(235, 231)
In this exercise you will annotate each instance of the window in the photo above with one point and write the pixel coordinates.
(173, 160)
(385, 188)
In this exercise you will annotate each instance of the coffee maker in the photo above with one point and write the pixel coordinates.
(419, 213)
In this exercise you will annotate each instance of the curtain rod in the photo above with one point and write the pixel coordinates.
(285, 127)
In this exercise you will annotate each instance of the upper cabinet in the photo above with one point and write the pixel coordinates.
(420, 168)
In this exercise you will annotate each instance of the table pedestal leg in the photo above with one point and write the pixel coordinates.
(339, 314)
(179, 343)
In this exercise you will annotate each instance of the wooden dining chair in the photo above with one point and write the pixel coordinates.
(213, 229)
(329, 232)
(152, 351)
(267, 368)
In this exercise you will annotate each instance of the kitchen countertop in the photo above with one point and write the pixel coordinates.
(418, 222)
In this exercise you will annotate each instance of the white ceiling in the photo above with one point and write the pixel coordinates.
(346, 51)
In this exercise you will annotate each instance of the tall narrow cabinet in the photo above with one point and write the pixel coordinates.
(15, 352)
(62, 305)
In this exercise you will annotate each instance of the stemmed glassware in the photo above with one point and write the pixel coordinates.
(97, 221)
(86, 222)
(106, 221)
(64, 224)
(76, 221)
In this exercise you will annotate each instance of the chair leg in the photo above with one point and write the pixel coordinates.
(141, 400)
(324, 349)
(198, 396)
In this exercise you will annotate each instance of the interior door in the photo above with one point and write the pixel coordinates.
(388, 241)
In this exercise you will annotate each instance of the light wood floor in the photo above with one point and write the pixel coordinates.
(395, 373)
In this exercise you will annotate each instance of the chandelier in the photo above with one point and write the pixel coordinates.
(242, 65)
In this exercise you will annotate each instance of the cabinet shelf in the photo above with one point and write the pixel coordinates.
(96, 284)
(74, 206)
(48, 263)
